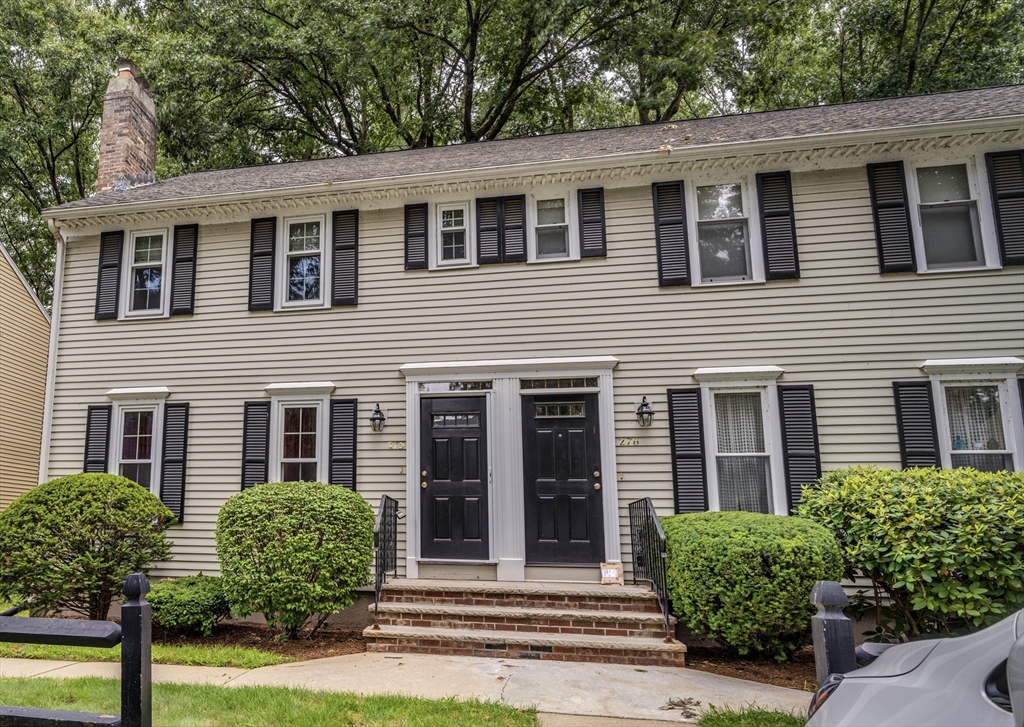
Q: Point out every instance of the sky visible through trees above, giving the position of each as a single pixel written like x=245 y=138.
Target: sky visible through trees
x=256 y=81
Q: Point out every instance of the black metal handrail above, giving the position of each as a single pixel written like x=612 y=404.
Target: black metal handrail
x=649 y=553
x=385 y=547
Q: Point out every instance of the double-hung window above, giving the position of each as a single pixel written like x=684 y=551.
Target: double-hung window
x=551 y=231
x=304 y=261
x=146 y=283
x=742 y=460
x=453 y=234
x=299 y=427
x=977 y=425
x=136 y=450
x=299 y=456
x=948 y=214
x=723 y=234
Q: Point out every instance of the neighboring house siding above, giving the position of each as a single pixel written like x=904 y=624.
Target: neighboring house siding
x=842 y=327
x=24 y=342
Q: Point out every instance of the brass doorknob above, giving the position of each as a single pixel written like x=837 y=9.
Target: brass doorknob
x=597 y=485
x=423 y=485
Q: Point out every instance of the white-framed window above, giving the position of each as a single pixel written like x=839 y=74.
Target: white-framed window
x=953 y=229
x=146 y=282
x=303 y=263
x=136 y=442
x=298 y=446
x=978 y=412
x=453 y=243
x=551 y=219
x=724 y=233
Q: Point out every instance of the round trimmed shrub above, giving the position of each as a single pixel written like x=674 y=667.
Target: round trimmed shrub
x=744 y=579
x=191 y=605
x=69 y=543
x=290 y=550
x=943 y=547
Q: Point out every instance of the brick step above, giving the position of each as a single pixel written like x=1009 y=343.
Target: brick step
x=635 y=624
x=584 y=596
x=518 y=645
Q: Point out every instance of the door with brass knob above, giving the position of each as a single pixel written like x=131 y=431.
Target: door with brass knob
x=453 y=478
x=564 y=510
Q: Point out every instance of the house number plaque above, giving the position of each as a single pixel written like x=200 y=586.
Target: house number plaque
x=628 y=441
x=396 y=445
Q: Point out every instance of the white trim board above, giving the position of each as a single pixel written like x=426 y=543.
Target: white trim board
x=997 y=365
x=140 y=392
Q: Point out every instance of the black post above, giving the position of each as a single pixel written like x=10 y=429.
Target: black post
x=136 y=648
x=834 y=652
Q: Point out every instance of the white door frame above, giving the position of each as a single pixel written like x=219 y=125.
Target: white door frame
x=505 y=449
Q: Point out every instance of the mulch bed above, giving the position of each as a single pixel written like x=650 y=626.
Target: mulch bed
x=797 y=673
x=326 y=642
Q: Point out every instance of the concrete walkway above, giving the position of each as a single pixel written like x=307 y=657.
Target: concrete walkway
x=565 y=694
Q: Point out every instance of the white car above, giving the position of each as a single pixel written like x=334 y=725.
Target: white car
x=966 y=681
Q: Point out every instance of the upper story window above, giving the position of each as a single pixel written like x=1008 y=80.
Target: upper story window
x=304 y=261
x=552 y=229
x=453 y=244
x=723 y=238
x=950 y=229
x=146 y=281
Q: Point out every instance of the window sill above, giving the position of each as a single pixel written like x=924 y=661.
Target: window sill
x=133 y=314
x=544 y=260
x=301 y=306
x=454 y=266
x=721 y=283
x=963 y=269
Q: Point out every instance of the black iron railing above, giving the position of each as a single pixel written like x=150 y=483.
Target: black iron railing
x=648 y=545
x=385 y=547
x=135 y=636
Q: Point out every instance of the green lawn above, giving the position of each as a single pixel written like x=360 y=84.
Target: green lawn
x=187 y=705
x=750 y=717
x=187 y=655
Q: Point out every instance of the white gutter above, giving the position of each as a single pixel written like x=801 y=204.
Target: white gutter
x=723 y=149
x=51 y=361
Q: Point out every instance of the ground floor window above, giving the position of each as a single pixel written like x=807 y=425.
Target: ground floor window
x=299 y=445
x=136 y=450
x=976 y=433
x=742 y=461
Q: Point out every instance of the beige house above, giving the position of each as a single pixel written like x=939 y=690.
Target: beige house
x=788 y=292
x=24 y=342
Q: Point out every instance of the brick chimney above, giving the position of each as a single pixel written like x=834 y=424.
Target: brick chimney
x=127 y=132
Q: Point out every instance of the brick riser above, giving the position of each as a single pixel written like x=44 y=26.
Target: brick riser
x=468 y=647
x=525 y=625
x=533 y=601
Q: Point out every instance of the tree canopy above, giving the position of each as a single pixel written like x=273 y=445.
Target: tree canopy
x=271 y=80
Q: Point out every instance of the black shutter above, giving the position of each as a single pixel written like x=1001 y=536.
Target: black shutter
x=108 y=280
x=173 y=461
x=1006 y=177
x=800 y=453
x=686 y=431
x=670 y=234
x=593 y=239
x=416 y=237
x=778 y=226
x=488 y=231
x=183 y=276
x=255 y=443
x=915 y=422
x=97 y=437
x=343 y=443
x=345 y=260
x=891 y=212
x=261 y=264
x=513 y=229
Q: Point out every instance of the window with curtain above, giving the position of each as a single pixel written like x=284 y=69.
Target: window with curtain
x=741 y=460
x=976 y=428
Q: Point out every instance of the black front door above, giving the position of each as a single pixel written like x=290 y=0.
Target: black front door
x=453 y=478
x=562 y=471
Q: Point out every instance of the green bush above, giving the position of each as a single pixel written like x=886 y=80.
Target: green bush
x=70 y=543
x=293 y=549
x=192 y=605
x=745 y=579
x=946 y=547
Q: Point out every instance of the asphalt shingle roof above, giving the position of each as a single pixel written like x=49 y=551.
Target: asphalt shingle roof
x=813 y=120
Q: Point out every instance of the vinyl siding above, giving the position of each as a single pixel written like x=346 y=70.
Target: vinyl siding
x=842 y=327
x=24 y=344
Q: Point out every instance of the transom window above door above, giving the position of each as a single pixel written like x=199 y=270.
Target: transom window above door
x=299 y=459
x=948 y=210
x=723 y=236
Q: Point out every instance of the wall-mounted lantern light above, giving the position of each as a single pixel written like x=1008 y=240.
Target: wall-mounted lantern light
x=644 y=413
x=377 y=420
